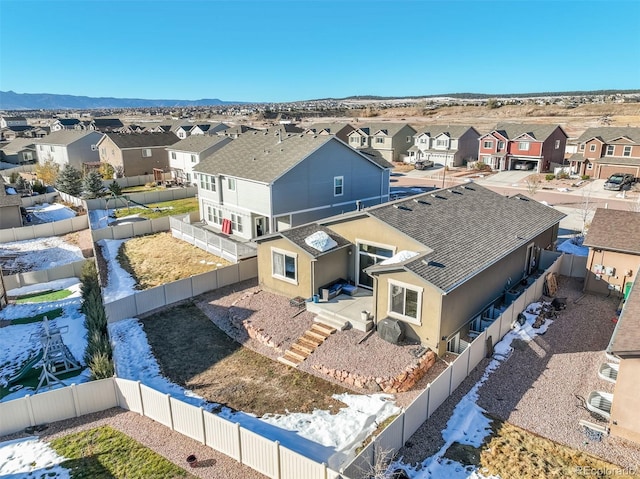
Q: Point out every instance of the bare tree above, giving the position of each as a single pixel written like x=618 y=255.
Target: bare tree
x=587 y=207
x=533 y=184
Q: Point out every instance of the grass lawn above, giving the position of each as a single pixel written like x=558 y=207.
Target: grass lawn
x=516 y=453
x=53 y=314
x=42 y=297
x=159 y=210
x=141 y=189
x=160 y=258
x=193 y=352
x=33 y=378
x=105 y=453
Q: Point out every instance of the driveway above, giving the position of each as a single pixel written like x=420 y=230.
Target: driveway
x=505 y=178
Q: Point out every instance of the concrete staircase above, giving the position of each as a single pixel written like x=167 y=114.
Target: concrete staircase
x=306 y=344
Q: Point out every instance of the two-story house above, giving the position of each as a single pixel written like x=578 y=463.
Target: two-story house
x=340 y=130
x=429 y=263
x=445 y=144
x=235 y=131
x=69 y=147
x=208 y=128
x=390 y=141
x=6 y=121
x=512 y=145
x=136 y=153
x=20 y=151
x=604 y=151
x=67 y=124
x=267 y=181
x=106 y=125
x=185 y=154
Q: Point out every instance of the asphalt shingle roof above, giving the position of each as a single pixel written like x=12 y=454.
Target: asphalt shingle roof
x=616 y=230
x=64 y=137
x=469 y=228
x=8 y=200
x=618 y=160
x=197 y=143
x=261 y=156
x=512 y=130
x=609 y=134
x=625 y=340
x=298 y=235
x=143 y=140
x=19 y=144
x=390 y=129
x=454 y=131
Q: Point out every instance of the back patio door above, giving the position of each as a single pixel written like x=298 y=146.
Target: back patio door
x=368 y=255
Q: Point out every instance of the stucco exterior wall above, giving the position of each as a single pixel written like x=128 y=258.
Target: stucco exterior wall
x=302 y=287
x=10 y=216
x=625 y=420
x=622 y=262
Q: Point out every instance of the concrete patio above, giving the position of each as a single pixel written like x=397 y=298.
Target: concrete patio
x=345 y=310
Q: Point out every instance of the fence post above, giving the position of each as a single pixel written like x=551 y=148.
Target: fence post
x=239 y=443
x=324 y=470
x=278 y=471
x=204 y=427
x=76 y=402
x=141 y=401
x=32 y=417
x=170 y=411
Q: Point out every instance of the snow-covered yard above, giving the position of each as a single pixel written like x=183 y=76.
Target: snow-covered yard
x=48 y=213
x=38 y=254
x=30 y=457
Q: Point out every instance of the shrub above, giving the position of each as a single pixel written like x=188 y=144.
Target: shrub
x=550 y=177
x=101 y=366
x=585 y=177
x=14 y=177
x=38 y=187
x=97 y=344
x=115 y=188
x=562 y=176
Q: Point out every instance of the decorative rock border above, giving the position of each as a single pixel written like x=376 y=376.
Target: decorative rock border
x=391 y=385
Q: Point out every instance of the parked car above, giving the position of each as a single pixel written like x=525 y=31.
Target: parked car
x=618 y=181
x=423 y=164
x=523 y=165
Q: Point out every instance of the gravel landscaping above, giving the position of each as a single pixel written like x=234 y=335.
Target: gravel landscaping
x=537 y=388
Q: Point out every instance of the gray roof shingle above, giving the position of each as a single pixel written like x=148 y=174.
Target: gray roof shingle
x=616 y=230
x=609 y=133
x=65 y=137
x=512 y=130
x=469 y=228
x=625 y=341
x=197 y=143
x=143 y=140
x=454 y=131
x=298 y=235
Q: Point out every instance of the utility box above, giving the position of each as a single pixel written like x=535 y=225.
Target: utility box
x=391 y=330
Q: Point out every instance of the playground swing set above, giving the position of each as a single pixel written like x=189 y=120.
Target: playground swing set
x=54 y=356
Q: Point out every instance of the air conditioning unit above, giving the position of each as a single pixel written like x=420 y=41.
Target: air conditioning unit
x=598 y=269
x=609 y=270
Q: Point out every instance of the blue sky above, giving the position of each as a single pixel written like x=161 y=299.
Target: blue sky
x=296 y=50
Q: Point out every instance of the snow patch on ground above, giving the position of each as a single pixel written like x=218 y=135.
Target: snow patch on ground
x=29 y=457
x=119 y=283
x=72 y=284
x=38 y=254
x=50 y=213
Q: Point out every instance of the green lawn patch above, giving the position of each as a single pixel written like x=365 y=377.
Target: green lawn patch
x=43 y=297
x=53 y=314
x=105 y=453
x=32 y=379
x=159 y=210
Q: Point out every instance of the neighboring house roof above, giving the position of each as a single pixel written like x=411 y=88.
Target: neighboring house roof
x=389 y=129
x=298 y=236
x=331 y=128
x=235 y=130
x=618 y=160
x=64 y=137
x=13 y=118
x=68 y=121
x=453 y=131
x=262 y=156
x=625 y=340
x=285 y=128
x=197 y=143
x=579 y=157
x=468 y=228
x=513 y=130
x=211 y=127
x=19 y=128
x=608 y=134
x=615 y=230
x=143 y=140
x=375 y=156
x=18 y=145
x=107 y=123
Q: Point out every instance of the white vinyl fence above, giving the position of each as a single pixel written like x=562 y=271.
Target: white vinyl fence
x=211 y=242
x=150 y=299
x=28 y=201
x=142 y=198
x=69 y=270
x=55 y=228
x=396 y=434
x=574 y=266
x=264 y=455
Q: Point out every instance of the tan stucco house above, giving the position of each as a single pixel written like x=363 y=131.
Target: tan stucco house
x=432 y=263
x=614 y=251
x=10 y=216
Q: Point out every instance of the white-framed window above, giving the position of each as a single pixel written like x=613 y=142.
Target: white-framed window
x=582 y=147
x=207 y=182
x=231 y=184
x=442 y=142
x=409 y=139
x=589 y=166
x=193 y=158
x=405 y=302
x=355 y=139
x=236 y=222
x=423 y=140
x=338 y=185
x=379 y=140
x=94 y=147
x=500 y=145
x=626 y=151
x=592 y=147
x=523 y=145
x=146 y=152
x=284 y=265
x=487 y=144
x=610 y=150
x=214 y=215
x=557 y=144
x=52 y=148
x=173 y=155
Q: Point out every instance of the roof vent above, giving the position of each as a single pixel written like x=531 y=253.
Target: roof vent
x=402 y=207
x=468 y=188
x=422 y=202
x=438 y=196
x=433 y=263
x=454 y=192
x=523 y=198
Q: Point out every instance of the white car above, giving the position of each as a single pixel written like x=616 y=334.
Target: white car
x=523 y=165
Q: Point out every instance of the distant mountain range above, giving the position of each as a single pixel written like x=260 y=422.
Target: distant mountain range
x=10 y=100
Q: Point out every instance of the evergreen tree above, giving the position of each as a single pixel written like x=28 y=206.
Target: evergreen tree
x=115 y=188
x=92 y=184
x=69 y=181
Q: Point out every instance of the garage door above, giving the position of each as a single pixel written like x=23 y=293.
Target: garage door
x=607 y=170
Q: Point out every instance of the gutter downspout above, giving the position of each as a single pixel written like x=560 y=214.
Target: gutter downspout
x=313 y=277
x=374 y=313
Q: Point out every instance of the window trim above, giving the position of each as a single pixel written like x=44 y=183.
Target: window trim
x=416 y=289
x=524 y=145
x=610 y=150
x=236 y=223
x=592 y=147
x=173 y=155
x=626 y=151
x=336 y=186
x=487 y=144
x=231 y=184
x=557 y=145
x=284 y=253
x=147 y=153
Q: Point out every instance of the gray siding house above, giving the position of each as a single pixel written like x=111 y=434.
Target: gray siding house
x=445 y=144
x=69 y=147
x=265 y=182
x=390 y=141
